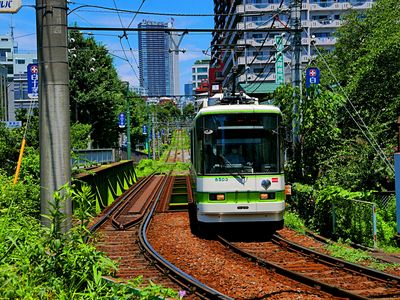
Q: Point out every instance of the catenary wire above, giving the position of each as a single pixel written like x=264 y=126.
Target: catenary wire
x=369 y=138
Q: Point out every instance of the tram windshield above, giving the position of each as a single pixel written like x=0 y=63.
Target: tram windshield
x=241 y=143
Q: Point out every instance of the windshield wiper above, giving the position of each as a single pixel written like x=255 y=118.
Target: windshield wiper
x=237 y=174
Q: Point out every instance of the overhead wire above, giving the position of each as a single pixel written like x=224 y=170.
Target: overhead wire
x=371 y=139
x=122 y=46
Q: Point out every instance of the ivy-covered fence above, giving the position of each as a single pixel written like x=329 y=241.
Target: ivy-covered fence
x=337 y=213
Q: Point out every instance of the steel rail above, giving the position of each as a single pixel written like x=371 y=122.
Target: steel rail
x=117 y=202
x=327 y=259
x=194 y=286
x=333 y=290
x=121 y=208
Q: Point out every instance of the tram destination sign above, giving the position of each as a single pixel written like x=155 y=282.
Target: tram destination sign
x=10 y=6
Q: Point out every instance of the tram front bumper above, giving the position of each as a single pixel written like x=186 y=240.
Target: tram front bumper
x=240 y=212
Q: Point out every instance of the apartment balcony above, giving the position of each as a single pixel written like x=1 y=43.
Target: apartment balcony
x=320 y=41
x=252 y=77
x=260 y=7
x=329 y=6
x=259 y=25
x=257 y=42
x=322 y=24
x=260 y=59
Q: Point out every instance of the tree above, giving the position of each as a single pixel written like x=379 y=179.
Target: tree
x=366 y=63
x=96 y=93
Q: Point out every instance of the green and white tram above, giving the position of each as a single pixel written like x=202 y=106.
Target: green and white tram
x=237 y=165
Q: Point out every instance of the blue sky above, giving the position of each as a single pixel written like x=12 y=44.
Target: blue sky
x=24 y=23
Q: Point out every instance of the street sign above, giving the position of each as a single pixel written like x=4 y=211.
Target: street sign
x=312 y=76
x=121 y=120
x=279 y=62
x=144 y=130
x=10 y=6
x=13 y=124
x=33 y=80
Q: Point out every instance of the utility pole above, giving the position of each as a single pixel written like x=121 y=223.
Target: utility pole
x=54 y=121
x=128 y=124
x=153 y=136
x=397 y=176
x=295 y=63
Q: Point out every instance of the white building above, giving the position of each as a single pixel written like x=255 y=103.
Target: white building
x=16 y=63
x=199 y=72
x=319 y=18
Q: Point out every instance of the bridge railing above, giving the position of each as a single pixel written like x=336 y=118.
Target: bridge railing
x=92 y=157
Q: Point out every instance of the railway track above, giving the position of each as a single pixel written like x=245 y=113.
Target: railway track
x=335 y=276
x=121 y=233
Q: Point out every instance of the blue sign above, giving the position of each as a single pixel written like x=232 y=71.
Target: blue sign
x=312 y=76
x=144 y=129
x=13 y=124
x=121 y=120
x=33 y=81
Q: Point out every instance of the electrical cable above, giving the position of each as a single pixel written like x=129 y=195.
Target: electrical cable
x=369 y=138
x=126 y=36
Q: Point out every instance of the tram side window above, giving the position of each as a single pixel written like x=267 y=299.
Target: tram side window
x=198 y=146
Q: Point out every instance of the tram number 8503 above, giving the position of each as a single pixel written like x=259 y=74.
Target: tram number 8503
x=221 y=179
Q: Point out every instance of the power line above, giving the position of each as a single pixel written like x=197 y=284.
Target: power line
x=197 y=30
x=81 y=5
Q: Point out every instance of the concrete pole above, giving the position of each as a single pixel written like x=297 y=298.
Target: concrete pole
x=295 y=63
x=128 y=124
x=397 y=187
x=54 y=122
x=397 y=176
x=153 y=136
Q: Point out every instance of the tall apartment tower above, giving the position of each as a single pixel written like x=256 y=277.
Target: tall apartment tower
x=254 y=53
x=158 y=60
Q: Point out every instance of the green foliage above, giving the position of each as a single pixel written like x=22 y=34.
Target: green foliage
x=148 y=166
x=348 y=253
x=80 y=135
x=9 y=148
x=95 y=100
x=293 y=221
x=316 y=207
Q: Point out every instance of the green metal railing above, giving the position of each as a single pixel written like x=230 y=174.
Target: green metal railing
x=108 y=182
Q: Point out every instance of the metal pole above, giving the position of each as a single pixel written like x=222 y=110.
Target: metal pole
x=374 y=236
x=128 y=124
x=397 y=187
x=295 y=64
x=54 y=119
x=153 y=137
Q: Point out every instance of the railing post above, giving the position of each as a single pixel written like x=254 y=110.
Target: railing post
x=374 y=225
x=397 y=185
x=333 y=219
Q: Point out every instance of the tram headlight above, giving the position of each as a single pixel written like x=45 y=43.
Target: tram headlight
x=267 y=196
x=219 y=197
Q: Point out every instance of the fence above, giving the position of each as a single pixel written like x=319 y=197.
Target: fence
x=355 y=218
x=92 y=157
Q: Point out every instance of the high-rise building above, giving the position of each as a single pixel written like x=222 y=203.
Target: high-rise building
x=158 y=60
x=189 y=89
x=254 y=53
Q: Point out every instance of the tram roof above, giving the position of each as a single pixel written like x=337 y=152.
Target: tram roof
x=238 y=108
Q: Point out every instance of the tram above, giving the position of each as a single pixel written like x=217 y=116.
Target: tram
x=237 y=164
